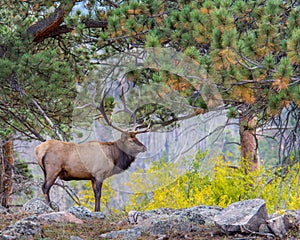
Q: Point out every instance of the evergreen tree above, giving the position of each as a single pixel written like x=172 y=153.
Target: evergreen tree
x=249 y=49
x=37 y=88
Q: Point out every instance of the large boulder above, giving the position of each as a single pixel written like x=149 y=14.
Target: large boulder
x=83 y=212
x=243 y=216
x=129 y=234
x=203 y=215
x=80 y=212
x=159 y=222
x=36 y=206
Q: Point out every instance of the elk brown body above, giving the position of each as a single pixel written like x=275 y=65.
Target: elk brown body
x=93 y=161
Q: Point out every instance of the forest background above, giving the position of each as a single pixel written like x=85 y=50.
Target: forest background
x=247 y=59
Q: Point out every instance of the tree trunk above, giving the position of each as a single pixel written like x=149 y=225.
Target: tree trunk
x=249 y=144
x=6 y=173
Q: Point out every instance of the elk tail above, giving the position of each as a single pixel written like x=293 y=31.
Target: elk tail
x=40 y=156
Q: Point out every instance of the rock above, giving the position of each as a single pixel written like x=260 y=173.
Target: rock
x=130 y=234
x=280 y=225
x=36 y=206
x=80 y=212
x=199 y=214
x=23 y=229
x=264 y=229
x=294 y=217
x=203 y=215
x=63 y=217
x=148 y=217
x=243 y=216
x=162 y=227
x=99 y=215
x=160 y=222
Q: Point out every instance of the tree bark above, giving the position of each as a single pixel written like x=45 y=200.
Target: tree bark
x=249 y=144
x=51 y=26
x=6 y=173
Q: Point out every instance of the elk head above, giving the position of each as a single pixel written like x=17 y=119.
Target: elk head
x=129 y=144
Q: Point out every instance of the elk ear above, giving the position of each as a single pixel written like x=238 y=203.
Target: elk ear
x=124 y=136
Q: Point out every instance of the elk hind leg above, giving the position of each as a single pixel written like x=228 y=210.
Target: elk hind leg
x=50 y=177
x=48 y=183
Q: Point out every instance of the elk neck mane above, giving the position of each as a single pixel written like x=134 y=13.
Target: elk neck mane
x=124 y=161
x=121 y=159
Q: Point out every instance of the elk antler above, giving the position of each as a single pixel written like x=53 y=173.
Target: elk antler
x=143 y=130
x=133 y=113
x=102 y=111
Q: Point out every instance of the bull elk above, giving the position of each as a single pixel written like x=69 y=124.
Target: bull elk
x=93 y=160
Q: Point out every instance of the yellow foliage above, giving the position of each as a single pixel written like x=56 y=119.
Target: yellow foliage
x=166 y=186
x=224 y=185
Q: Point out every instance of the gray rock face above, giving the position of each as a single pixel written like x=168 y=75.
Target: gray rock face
x=37 y=206
x=244 y=216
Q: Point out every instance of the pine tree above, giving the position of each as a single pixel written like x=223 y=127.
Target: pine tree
x=249 y=49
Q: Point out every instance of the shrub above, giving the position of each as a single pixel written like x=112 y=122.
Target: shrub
x=224 y=185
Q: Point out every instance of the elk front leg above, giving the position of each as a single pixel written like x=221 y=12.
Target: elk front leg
x=97 y=187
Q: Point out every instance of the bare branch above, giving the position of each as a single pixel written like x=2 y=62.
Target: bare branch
x=47 y=119
x=69 y=191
